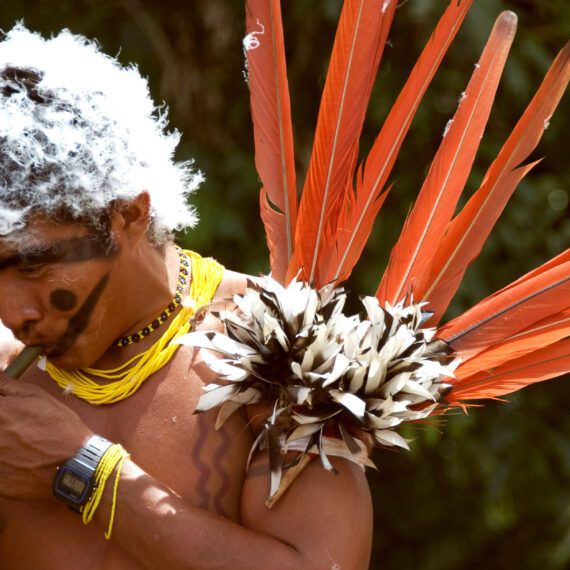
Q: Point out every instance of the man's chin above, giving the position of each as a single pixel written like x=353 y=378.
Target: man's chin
x=67 y=360
x=78 y=356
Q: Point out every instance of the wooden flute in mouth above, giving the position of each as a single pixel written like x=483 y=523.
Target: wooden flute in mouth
x=21 y=363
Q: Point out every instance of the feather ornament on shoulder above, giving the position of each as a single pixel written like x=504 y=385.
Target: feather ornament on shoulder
x=335 y=384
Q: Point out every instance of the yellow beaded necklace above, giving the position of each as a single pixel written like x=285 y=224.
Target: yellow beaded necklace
x=206 y=276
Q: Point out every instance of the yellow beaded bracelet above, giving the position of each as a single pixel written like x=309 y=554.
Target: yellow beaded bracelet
x=114 y=457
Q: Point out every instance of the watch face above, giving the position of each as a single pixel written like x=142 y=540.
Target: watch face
x=72 y=484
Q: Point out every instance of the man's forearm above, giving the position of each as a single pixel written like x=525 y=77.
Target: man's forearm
x=159 y=529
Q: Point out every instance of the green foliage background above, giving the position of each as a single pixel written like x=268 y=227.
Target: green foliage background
x=486 y=490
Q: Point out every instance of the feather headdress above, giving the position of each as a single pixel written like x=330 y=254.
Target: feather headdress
x=330 y=378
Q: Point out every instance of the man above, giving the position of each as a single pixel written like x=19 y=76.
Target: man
x=89 y=198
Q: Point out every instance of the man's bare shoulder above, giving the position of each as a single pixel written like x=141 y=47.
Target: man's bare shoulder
x=232 y=283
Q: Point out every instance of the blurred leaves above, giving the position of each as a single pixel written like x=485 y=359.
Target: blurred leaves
x=488 y=489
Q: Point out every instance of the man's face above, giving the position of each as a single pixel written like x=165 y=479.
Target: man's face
x=58 y=288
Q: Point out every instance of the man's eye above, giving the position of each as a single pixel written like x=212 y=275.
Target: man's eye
x=32 y=269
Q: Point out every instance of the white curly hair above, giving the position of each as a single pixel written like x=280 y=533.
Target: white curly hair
x=78 y=133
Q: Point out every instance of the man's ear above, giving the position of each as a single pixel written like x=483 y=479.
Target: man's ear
x=131 y=218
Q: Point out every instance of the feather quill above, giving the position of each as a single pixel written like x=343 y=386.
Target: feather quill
x=361 y=35
x=468 y=231
x=437 y=200
x=273 y=132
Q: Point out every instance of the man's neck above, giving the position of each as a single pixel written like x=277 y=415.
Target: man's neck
x=152 y=287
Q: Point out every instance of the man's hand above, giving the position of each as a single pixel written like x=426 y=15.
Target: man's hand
x=37 y=433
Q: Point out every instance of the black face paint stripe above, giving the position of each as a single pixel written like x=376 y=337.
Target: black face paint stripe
x=63 y=299
x=72 y=250
x=80 y=320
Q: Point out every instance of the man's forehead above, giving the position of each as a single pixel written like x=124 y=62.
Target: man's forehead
x=53 y=249
x=19 y=243
x=39 y=230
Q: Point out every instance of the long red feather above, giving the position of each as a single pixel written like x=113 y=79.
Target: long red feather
x=469 y=229
x=356 y=217
x=539 y=335
x=271 y=114
x=515 y=374
x=533 y=297
x=437 y=200
x=359 y=42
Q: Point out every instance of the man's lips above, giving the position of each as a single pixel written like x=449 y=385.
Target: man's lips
x=46 y=344
x=55 y=348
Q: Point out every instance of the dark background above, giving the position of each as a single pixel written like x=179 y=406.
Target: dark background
x=486 y=490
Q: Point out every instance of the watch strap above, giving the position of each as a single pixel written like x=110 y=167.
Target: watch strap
x=83 y=466
x=90 y=454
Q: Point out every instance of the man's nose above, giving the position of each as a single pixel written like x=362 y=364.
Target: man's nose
x=19 y=308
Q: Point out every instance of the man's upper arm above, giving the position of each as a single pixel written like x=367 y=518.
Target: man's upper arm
x=327 y=518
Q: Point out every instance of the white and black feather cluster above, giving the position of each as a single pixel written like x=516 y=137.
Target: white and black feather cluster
x=321 y=372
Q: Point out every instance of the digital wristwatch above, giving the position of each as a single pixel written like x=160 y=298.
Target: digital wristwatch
x=74 y=480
